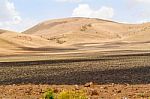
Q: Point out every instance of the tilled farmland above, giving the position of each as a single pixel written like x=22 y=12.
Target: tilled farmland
x=131 y=72
x=132 y=69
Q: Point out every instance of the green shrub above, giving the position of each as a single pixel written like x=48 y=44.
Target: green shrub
x=48 y=95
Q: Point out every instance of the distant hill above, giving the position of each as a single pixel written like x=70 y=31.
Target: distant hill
x=79 y=33
x=13 y=42
x=86 y=30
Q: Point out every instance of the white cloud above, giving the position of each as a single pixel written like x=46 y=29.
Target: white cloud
x=141 y=9
x=134 y=3
x=69 y=0
x=10 y=18
x=84 y=10
x=142 y=1
x=8 y=13
x=21 y=26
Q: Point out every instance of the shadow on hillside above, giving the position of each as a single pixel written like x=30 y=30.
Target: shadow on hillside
x=131 y=76
x=47 y=49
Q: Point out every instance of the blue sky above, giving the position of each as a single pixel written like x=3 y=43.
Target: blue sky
x=19 y=15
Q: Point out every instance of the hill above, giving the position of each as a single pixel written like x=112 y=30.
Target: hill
x=86 y=30
x=14 y=43
x=76 y=35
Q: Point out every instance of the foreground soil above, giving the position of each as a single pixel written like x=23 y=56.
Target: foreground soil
x=111 y=91
x=114 y=76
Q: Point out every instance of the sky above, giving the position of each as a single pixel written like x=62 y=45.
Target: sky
x=19 y=15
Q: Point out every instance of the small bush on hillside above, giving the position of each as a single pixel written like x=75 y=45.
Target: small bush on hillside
x=89 y=25
x=60 y=41
x=83 y=28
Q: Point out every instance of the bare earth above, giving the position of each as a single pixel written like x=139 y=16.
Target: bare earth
x=111 y=91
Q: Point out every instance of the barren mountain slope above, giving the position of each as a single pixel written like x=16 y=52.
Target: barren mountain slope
x=77 y=34
x=141 y=33
x=13 y=42
x=86 y=30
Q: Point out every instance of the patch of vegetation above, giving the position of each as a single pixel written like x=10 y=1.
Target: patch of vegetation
x=49 y=95
x=53 y=38
x=57 y=39
x=64 y=95
x=72 y=95
x=85 y=27
x=60 y=41
x=89 y=25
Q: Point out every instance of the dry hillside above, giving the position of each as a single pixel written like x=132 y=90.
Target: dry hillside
x=86 y=30
x=83 y=34
x=15 y=43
